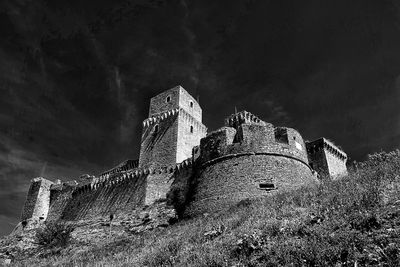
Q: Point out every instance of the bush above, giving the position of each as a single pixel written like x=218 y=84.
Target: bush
x=54 y=235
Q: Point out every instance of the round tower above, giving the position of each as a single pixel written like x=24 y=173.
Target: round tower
x=247 y=158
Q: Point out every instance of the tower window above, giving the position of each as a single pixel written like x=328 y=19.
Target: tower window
x=191 y=129
x=168 y=99
x=281 y=135
x=191 y=104
x=156 y=128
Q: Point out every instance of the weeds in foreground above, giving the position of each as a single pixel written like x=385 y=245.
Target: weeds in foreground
x=54 y=235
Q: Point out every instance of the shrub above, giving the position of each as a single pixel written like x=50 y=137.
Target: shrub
x=54 y=235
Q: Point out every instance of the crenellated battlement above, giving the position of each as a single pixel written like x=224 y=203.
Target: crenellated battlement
x=236 y=119
x=252 y=137
x=129 y=175
x=124 y=166
x=323 y=143
x=160 y=117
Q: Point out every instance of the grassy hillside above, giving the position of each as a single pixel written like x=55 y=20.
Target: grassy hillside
x=351 y=222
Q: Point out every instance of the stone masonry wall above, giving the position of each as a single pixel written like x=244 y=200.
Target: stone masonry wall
x=60 y=198
x=318 y=162
x=251 y=138
x=158 y=147
x=190 y=131
x=229 y=180
x=103 y=199
x=38 y=199
x=157 y=187
x=159 y=104
x=234 y=164
x=189 y=104
x=326 y=158
x=337 y=166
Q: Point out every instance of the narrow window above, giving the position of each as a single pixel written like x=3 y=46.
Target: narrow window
x=281 y=135
x=156 y=128
x=191 y=129
x=168 y=99
x=191 y=104
x=267 y=186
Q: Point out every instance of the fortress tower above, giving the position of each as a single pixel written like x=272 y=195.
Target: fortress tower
x=172 y=129
x=326 y=158
x=38 y=200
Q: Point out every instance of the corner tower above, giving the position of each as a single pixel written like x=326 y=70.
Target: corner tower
x=326 y=158
x=173 y=128
x=38 y=200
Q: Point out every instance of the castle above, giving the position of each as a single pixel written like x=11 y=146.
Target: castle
x=181 y=163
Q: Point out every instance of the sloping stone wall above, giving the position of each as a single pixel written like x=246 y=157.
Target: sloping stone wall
x=104 y=199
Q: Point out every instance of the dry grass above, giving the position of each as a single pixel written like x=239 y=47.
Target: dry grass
x=337 y=223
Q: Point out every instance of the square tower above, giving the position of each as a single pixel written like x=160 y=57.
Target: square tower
x=326 y=158
x=38 y=200
x=173 y=128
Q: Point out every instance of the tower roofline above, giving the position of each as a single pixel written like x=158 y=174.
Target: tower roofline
x=175 y=89
x=322 y=141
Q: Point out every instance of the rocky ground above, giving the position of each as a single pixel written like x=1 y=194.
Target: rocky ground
x=22 y=245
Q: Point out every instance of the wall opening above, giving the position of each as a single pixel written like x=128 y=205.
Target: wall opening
x=156 y=128
x=168 y=99
x=191 y=104
x=281 y=135
x=191 y=128
x=266 y=186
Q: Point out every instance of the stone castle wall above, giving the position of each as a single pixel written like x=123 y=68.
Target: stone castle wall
x=117 y=194
x=238 y=177
x=159 y=140
x=102 y=198
x=249 y=161
x=190 y=131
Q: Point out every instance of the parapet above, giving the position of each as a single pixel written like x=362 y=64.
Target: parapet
x=123 y=166
x=323 y=143
x=251 y=136
x=236 y=119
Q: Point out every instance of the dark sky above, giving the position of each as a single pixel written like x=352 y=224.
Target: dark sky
x=76 y=76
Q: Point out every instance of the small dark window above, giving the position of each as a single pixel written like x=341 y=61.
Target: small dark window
x=168 y=99
x=294 y=137
x=156 y=129
x=191 y=104
x=281 y=135
x=267 y=186
x=191 y=129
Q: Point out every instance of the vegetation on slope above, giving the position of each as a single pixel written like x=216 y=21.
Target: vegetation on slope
x=349 y=222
